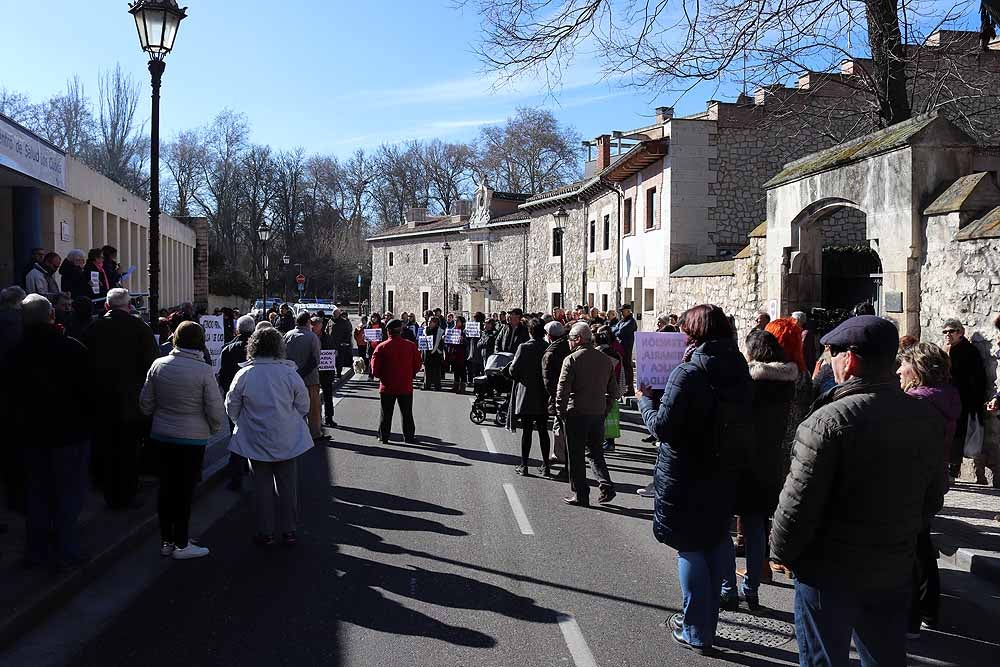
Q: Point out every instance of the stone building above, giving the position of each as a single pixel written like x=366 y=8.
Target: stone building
x=53 y=201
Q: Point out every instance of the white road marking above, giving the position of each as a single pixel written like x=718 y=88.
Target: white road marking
x=575 y=642
x=337 y=400
x=489 y=441
x=515 y=506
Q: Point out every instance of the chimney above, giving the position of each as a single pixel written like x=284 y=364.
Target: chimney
x=663 y=114
x=603 y=151
x=415 y=216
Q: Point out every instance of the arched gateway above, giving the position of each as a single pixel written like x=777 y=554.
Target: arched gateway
x=863 y=203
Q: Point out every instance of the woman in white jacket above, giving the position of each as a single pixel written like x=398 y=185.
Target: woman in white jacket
x=268 y=402
x=182 y=395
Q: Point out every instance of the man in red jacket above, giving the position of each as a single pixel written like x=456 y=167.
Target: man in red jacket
x=396 y=362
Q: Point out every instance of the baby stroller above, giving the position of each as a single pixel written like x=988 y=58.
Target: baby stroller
x=492 y=390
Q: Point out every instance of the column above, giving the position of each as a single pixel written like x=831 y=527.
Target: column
x=82 y=231
x=27 y=206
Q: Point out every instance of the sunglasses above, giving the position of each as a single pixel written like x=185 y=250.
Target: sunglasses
x=836 y=349
x=947 y=332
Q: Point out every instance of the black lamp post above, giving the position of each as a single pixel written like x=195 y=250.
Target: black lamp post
x=264 y=234
x=359 y=289
x=560 y=217
x=446 y=250
x=157 y=22
x=285 y=259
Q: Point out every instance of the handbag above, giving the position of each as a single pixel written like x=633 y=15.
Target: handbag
x=973 y=438
x=612 y=423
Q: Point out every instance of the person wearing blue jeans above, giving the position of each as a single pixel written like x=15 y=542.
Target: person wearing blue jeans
x=700 y=574
x=755 y=539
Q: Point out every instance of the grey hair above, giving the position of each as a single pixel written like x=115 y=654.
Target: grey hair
x=118 y=298
x=953 y=323
x=76 y=254
x=582 y=331
x=930 y=363
x=800 y=317
x=35 y=309
x=263 y=324
x=267 y=342
x=11 y=298
x=663 y=318
x=245 y=324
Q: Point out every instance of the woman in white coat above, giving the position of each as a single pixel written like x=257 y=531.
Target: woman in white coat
x=268 y=402
x=182 y=395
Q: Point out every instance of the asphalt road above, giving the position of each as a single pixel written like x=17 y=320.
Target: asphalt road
x=437 y=554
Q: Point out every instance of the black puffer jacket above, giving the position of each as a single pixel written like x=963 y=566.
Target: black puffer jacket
x=773 y=390
x=702 y=421
x=866 y=474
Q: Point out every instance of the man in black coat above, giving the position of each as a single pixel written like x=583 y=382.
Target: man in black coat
x=234 y=354
x=552 y=360
x=513 y=333
x=52 y=380
x=968 y=374
x=121 y=349
x=342 y=334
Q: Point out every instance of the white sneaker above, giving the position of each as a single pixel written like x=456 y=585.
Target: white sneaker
x=190 y=551
x=166 y=548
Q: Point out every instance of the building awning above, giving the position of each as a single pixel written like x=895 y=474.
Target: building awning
x=637 y=159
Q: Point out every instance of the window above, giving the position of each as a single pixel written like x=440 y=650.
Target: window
x=593 y=235
x=648 y=300
x=455 y=304
x=425 y=298
x=628 y=295
x=652 y=205
x=607 y=233
x=556 y=300
x=389 y=301
x=390 y=259
x=590 y=299
x=556 y=241
x=425 y=257
x=627 y=217
x=604 y=302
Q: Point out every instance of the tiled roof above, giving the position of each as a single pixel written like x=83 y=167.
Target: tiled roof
x=986 y=227
x=563 y=190
x=973 y=192
x=509 y=196
x=760 y=231
x=706 y=270
x=511 y=217
x=439 y=224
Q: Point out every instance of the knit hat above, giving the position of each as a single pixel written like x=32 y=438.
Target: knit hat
x=789 y=335
x=555 y=329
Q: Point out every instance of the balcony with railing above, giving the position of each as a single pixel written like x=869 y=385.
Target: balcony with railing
x=471 y=273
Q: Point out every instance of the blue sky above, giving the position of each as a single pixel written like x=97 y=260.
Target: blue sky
x=327 y=76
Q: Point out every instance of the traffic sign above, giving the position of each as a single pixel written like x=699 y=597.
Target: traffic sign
x=300 y=279
x=302 y=287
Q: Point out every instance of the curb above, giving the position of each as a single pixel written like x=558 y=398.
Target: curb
x=977 y=562
x=61 y=589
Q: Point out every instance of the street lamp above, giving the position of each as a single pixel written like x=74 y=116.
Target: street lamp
x=359 y=289
x=561 y=217
x=157 y=22
x=264 y=234
x=285 y=259
x=446 y=250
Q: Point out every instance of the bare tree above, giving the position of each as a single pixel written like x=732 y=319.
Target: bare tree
x=290 y=184
x=402 y=182
x=65 y=120
x=185 y=158
x=530 y=153
x=14 y=105
x=448 y=169
x=120 y=150
x=219 y=199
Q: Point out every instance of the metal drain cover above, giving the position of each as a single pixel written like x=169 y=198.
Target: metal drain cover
x=759 y=630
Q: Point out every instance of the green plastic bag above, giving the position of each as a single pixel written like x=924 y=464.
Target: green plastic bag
x=612 y=423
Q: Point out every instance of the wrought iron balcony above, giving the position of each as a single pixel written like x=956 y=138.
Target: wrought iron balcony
x=470 y=273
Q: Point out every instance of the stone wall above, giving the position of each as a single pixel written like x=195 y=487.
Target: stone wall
x=506 y=256
x=845 y=226
x=543 y=268
x=408 y=278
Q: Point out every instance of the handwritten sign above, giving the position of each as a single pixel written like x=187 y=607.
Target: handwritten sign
x=327 y=360
x=373 y=335
x=215 y=338
x=95 y=282
x=656 y=354
x=453 y=336
x=425 y=343
x=472 y=330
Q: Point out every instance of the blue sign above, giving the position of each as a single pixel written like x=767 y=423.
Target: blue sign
x=302 y=288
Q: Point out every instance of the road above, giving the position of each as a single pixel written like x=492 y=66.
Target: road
x=438 y=554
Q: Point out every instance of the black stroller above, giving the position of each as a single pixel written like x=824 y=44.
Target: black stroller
x=492 y=390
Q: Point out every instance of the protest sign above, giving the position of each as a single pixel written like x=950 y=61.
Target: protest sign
x=327 y=360
x=215 y=338
x=656 y=354
x=453 y=336
x=373 y=335
x=420 y=332
x=472 y=329
x=424 y=343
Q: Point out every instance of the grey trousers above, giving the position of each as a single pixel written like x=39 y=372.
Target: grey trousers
x=559 y=440
x=276 y=483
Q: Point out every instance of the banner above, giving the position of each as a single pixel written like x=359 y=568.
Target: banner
x=215 y=338
x=327 y=360
x=373 y=335
x=424 y=343
x=472 y=329
x=453 y=336
x=656 y=354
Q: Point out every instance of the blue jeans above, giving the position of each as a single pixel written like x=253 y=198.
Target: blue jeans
x=826 y=619
x=755 y=541
x=701 y=574
x=56 y=485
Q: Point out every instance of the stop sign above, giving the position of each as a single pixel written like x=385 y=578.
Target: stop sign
x=300 y=279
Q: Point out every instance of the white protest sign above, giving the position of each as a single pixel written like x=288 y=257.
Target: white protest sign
x=424 y=343
x=95 y=282
x=453 y=336
x=327 y=360
x=656 y=354
x=373 y=335
x=472 y=329
x=215 y=338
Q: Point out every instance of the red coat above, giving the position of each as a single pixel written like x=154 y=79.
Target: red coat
x=395 y=362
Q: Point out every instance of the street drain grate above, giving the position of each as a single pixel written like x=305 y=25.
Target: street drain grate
x=758 y=630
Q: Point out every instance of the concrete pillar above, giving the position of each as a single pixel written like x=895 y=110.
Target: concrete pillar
x=27 y=207
x=82 y=231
